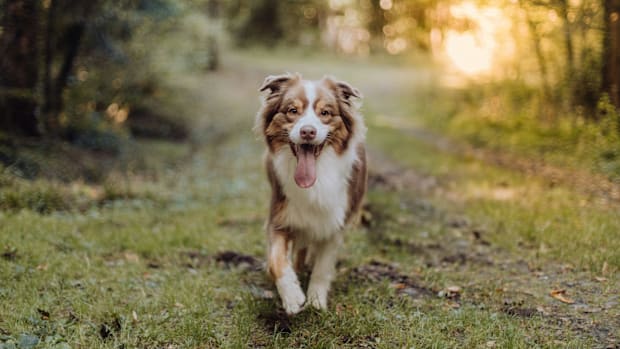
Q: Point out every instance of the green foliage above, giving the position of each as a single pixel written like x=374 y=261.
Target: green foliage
x=515 y=117
x=41 y=197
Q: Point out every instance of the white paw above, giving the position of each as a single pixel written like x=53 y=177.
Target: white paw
x=317 y=297
x=293 y=300
x=292 y=296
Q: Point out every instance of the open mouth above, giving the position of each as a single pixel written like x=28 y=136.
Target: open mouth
x=306 y=154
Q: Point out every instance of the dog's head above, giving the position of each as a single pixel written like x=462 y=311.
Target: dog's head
x=305 y=117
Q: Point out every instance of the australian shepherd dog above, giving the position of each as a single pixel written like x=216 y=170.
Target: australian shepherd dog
x=316 y=165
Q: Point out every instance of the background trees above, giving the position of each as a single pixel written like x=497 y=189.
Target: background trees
x=67 y=62
x=74 y=68
x=19 y=66
x=611 y=49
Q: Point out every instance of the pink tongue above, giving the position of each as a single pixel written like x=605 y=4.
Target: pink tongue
x=305 y=173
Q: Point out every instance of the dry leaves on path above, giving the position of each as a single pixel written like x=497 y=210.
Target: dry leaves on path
x=561 y=296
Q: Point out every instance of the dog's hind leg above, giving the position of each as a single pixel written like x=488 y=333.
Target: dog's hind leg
x=281 y=270
x=323 y=271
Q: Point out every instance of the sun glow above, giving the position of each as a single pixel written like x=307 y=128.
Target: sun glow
x=473 y=48
x=469 y=55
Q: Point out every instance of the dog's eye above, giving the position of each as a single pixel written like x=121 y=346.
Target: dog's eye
x=325 y=112
x=293 y=110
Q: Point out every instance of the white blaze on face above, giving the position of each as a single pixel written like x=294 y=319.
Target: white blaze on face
x=308 y=151
x=309 y=118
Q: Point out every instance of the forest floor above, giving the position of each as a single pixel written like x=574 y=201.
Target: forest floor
x=458 y=249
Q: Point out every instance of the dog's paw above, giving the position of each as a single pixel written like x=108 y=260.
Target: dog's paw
x=317 y=298
x=293 y=300
x=290 y=292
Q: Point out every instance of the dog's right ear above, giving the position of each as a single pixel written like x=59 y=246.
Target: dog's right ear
x=275 y=83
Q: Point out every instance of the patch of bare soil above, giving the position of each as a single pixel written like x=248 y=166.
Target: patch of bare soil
x=195 y=259
x=232 y=258
x=377 y=271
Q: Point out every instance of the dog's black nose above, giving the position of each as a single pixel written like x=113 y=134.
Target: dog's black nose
x=307 y=133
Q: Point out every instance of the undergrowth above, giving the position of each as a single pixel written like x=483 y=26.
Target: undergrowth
x=515 y=117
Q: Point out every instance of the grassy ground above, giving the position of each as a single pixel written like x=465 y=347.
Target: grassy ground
x=456 y=252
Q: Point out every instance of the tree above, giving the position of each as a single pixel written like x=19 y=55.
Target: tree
x=611 y=50
x=65 y=32
x=19 y=66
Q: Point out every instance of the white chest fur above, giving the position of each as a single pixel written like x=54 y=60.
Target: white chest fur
x=319 y=211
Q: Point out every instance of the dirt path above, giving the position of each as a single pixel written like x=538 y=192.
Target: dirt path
x=488 y=276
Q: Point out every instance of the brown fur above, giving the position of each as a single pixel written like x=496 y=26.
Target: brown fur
x=278 y=253
x=278 y=199
x=357 y=186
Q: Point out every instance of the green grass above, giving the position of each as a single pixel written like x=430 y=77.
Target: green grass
x=132 y=262
x=514 y=209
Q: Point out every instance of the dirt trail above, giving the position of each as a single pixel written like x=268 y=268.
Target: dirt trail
x=492 y=277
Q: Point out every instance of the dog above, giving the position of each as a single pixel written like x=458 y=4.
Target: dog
x=316 y=166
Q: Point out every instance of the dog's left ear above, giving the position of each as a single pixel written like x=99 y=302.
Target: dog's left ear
x=344 y=91
x=347 y=90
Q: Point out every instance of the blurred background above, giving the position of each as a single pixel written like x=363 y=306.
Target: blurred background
x=85 y=80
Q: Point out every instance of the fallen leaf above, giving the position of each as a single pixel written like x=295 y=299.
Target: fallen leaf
x=179 y=305
x=132 y=257
x=454 y=289
x=398 y=286
x=42 y=267
x=600 y=279
x=450 y=292
x=561 y=296
x=134 y=315
x=605 y=268
x=453 y=292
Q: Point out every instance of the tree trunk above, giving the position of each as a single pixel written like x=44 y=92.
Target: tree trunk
x=213 y=52
x=73 y=36
x=19 y=66
x=48 y=84
x=611 y=53
x=540 y=58
x=568 y=38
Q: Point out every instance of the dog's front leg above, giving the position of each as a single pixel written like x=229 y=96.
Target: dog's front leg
x=323 y=272
x=282 y=272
